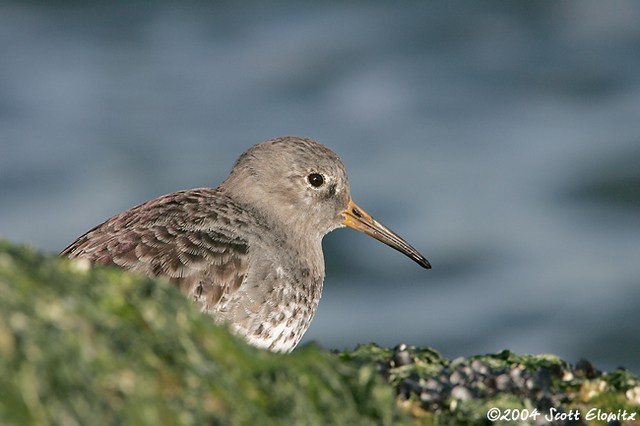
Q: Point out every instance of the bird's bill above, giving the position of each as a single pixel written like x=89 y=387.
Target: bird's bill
x=356 y=218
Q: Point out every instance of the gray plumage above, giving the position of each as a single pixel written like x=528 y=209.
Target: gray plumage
x=249 y=252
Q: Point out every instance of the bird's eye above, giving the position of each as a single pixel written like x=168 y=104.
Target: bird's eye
x=315 y=179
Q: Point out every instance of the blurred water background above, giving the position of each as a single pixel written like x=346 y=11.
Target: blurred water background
x=502 y=139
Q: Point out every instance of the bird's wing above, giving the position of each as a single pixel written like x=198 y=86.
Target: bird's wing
x=175 y=236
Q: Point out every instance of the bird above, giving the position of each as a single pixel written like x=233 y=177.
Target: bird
x=248 y=252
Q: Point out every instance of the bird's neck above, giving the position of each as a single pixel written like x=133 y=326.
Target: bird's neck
x=303 y=251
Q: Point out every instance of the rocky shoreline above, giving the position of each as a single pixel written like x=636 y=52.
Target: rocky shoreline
x=503 y=387
x=89 y=345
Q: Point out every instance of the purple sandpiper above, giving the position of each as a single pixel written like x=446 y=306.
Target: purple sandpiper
x=249 y=251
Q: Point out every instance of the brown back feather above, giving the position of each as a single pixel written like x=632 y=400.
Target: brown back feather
x=173 y=237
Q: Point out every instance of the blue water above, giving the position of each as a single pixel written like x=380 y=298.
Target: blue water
x=502 y=139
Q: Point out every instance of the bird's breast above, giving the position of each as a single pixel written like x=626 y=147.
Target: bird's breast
x=273 y=309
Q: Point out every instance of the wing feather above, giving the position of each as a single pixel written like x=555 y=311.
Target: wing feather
x=179 y=236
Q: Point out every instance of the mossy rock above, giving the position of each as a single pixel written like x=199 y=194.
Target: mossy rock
x=506 y=387
x=84 y=345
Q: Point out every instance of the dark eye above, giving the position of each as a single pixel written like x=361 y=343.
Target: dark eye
x=315 y=179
